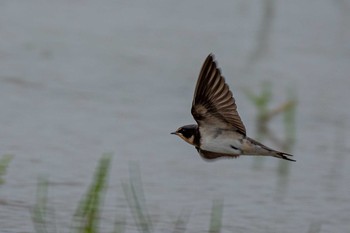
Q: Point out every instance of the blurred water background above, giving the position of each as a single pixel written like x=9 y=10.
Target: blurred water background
x=81 y=78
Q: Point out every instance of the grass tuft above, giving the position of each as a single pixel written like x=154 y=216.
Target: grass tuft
x=265 y=115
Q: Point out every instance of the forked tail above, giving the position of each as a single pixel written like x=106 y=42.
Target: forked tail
x=283 y=155
x=261 y=149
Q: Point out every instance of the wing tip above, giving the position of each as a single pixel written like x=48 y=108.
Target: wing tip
x=211 y=57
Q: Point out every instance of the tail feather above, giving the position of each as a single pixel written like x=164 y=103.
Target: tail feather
x=268 y=151
x=283 y=155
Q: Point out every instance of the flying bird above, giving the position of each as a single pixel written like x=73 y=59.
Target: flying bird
x=219 y=132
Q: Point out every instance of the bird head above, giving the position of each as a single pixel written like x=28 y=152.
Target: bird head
x=187 y=133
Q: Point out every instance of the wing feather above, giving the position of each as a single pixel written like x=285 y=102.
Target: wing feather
x=213 y=103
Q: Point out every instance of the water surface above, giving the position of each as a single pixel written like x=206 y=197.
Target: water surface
x=80 y=78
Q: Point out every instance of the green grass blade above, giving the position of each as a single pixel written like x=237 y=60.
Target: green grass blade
x=182 y=221
x=88 y=212
x=136 y=200
x=39 y=211
x=289 y=120
x=216 y=216
x=4 y=162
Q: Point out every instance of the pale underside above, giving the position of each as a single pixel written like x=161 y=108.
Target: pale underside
x=229 y=142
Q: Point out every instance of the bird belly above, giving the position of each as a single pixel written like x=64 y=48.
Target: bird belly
x=221 y=144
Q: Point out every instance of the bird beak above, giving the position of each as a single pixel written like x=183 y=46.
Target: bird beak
x=173 y=133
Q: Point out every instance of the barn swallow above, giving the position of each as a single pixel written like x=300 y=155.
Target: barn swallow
x=219 y=132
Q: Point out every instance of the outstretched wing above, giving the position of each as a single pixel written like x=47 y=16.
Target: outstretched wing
x=213 y=103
